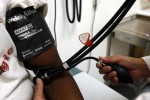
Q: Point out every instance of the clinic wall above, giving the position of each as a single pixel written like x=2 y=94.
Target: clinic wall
x=104 y=12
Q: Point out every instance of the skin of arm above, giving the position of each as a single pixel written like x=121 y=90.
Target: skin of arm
x=61 y=87
x=136 y=66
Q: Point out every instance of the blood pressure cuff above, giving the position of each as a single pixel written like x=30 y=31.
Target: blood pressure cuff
x=29 y=32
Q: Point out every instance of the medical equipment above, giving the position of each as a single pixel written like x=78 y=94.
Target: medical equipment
x=48 y=72
x=75 y=7
x=29 y=32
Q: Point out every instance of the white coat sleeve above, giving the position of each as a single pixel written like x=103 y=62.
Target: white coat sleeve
x=27 y=3
x=144 y=96
x=147 y=60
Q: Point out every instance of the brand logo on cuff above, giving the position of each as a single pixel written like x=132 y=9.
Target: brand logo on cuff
x=21 y=16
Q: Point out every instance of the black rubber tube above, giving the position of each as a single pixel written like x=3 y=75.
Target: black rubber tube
x=100 y=32
x=117 y=21
x=73 y=17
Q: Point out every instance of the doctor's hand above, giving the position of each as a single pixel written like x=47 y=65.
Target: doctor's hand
x=136 y=67
x=38 y=95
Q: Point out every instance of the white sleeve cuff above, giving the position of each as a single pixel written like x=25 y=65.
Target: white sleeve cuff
x=147 y=60
x=27 y=3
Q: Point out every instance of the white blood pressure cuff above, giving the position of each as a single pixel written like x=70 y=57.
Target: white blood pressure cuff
x=29 y=31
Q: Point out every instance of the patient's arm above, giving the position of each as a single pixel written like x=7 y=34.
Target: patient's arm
x=63 y=86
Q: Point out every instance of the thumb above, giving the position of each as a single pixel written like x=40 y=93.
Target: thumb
x=39 y=88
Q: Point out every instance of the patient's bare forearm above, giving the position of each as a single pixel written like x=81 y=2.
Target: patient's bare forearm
x=61 y=87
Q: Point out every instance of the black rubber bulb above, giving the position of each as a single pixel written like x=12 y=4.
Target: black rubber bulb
x=122 y=73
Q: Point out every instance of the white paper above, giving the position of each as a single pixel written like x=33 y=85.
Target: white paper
x=93 y=89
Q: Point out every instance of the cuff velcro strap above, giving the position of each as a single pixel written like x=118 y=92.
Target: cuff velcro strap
x=46 y=73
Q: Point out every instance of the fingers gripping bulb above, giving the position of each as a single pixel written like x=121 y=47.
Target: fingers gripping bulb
x=122 y=72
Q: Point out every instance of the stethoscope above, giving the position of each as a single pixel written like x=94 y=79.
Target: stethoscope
x=47 y=73
x=77 y=9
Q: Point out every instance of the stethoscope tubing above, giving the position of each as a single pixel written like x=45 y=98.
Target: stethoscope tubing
x=99 y=33
x=97 y=39
x=107 y=29
x=76 y=8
